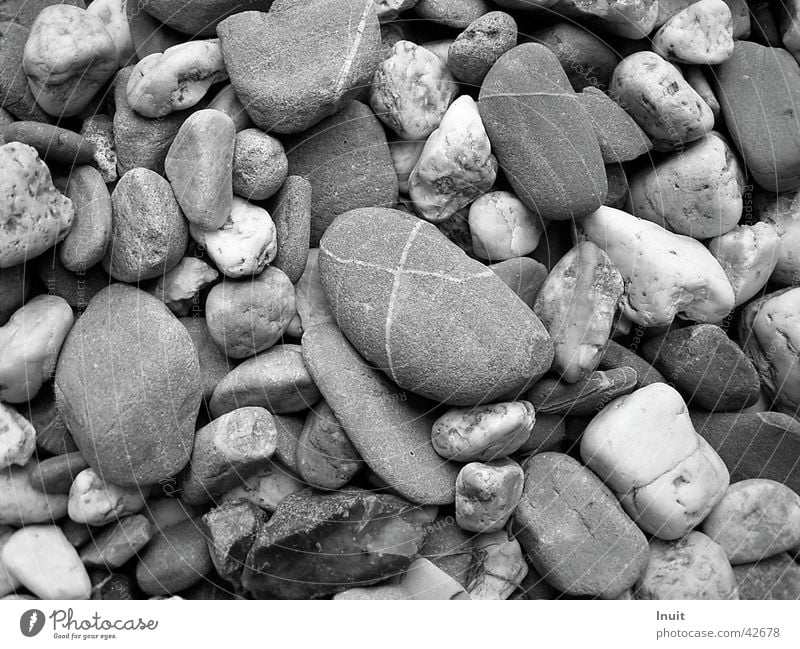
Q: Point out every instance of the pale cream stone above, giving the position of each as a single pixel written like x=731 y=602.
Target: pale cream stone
x=404 y=156
x=501 y=567
x=503 y=227
x=94 y=502
x=114 y=16
x=486 y=494
x=22 y=504
x=180 y=287
x=17 y=438
x=701 y=33
x=8 y=583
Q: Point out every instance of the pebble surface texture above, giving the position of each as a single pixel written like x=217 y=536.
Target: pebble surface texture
x=469 y=355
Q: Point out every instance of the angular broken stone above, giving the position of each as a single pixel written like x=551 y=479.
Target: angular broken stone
x=230 y=530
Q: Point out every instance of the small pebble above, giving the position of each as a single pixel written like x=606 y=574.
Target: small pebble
x=86 y=242
x=98 y=130
x=486 y=494
x=478 y=47
x=501 y=569
x=325 y=458
x=291 y=212
x=94 y=501
x=17 y=438
x=551 y=396
x=116 y=545
x=259 y=165
x=54 y=144
x=55 y=475
x=267 y=488
x=231 y=530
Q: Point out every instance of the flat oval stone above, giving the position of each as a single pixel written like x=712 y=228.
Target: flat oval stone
x=120 y=542
x=574 y=530
x=291 y=213
x=53 y=143
x=707 y=366
x=56 y=474
x=378 y=268
x=551 y=396
x=86 y=242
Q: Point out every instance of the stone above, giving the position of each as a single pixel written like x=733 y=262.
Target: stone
x=143 y=392
x=478 y=47
x=214 y=365
x=199 y=167
x=22 y=504
x=693 y=568
x=260 y=166
x=547 y=434
x=325 y=457
x=166 y=512
x=245 y=243
x=558 y=172
x=198 y=17
x=655 y=93
x=15 y=94
x=29 y=346
x=116 y=545
x=289 y=428
x=502 y=227
x=665 y=274
x=176 y=558
x=484 y=433
x=148 y=34
x=487 y=493
x=180 y=287
x=576 y=304
x=702 y=33
x=112 y=587
x=389 y=10
x=696 y=191
x=645 y=448
x=452 y=13
x=53 y=143
x=288 y=82
x=748 y=254
x=276 y=380
x=574 y=530
x=346 y=160
x=397 y=255
x=450 y=549
x=632 y=20
x=615 y=355
x=86 y=242
x=319 y=544
x=55 y=475
x=756 y=71
x=754 y=445
x=77 y=289
x=619 y=136
x=501 y=568
x=774 y=578
x=291 y=213
x=425 y=582
x=148 y=228
x=585 y=397
x=52 y=435
x=696 y=78
x=8 y=584
x=230 y=531
x=391 y=434
x=708 y=367
x=267 y=488
x=379 y=592
x=227 y=451
x=114 y=16
x=523 y=275
x=781 y=212
x=34 y=215
x=98 y=130
x=68 y=57
x=249 y=316
x=755 y=520
x=404 y=157
x=17 y=438
x=411 y=91
x=94 y=501
x=15 y=286
x=44 y=562
x=227 y=101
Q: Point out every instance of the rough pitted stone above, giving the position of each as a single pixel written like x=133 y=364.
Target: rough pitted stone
x=478 y=47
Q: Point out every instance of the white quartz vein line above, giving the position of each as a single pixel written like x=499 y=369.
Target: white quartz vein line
x=351 y=53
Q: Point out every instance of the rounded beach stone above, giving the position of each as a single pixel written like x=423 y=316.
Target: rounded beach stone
x=45 y=563
x=620 y=137
x=487 y=493
x=702 y=33
x=133 y=417
x=347 y=161
x=53 y=143
x=398 y=261
x=86 y=242
x=547 y=434
x=523 y=275
x=176 y=558
x=259 y=165
x=502 y=227
x=199 y=167
x=291 y=213
x=267 y=488
x=93 y=501
x=633 y=20
x=574 y=530
x=707 y=366
x=148 y=231
x=76 y=288
x=197 y=17
x=478 y=47
x=214 y=365
x=693 y=567
x=558 y=172
x=120 y=542
x=22 y=504
x=276 y=379
x=774 y=578
x=15 y=93
x=289 y=428
x=756 y=519
x=288 y=82
x=390 y=433
x=55 y=475
x=248 y=316
x=452 y=13
x=230 y=530
x=765 y=134
x=615 y=355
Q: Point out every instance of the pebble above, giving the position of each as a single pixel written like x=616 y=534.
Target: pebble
x=54 y=144
x=119 y=543
x=177 y=557
x=227 y=102
x=484 y=433
x=214 y=365
x=17 y=438
x=346 y=160
x=632 y=20
x=707 y=366
x=94 y=501
x=78 y=288
x=547 y=434
x=288 y=82
x=697 y=79
x=15 y=93
x=645 y=448
x=320 y=544
x=568 y=519
x=86 y=242
x=755 y=520
x=425 y=582
x=404 y=157
x=55 y=475
x=113 y=14
x=227 y=450
x=325 y=457
x=166 y=512
x=201 y=17
x=523 y=275
x=112 y=587
x=487 y=493
x=693 y=567
x=179 y=288
x=774 y=578
x=702 y=33
x=450 y=549
x=478 y=47
x=198 y=166
x=399 y=255
x=576 y=304
x=586 y=396
x=291 y=213
x=289 y=428
x=52 y=435
x=541 y=135
x=619 y=136
x=34 y=215
x=44 y=562
x=22 y=504
x=267 y=488
x=780 y=211
x=246 y=317
x=149 y=35
x=614 y=355
x=29 y=346
x=148 y=229
x=231 y=530
x=502 y=227
x=501 y=569
x=260 y=165
x=276 y=380
x=143 y=393
x=452 y=13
